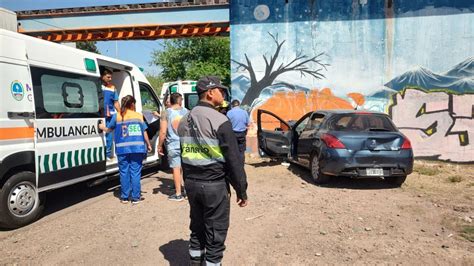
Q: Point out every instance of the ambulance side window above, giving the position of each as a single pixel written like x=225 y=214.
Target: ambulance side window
x=191 y=100
x=149 y=101
x=61 y=94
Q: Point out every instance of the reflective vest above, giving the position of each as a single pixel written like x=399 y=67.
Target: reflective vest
x=201 y=155
x=129 y=133
x=198 y=137
x=209 y=149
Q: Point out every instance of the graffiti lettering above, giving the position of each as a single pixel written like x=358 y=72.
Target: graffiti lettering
x=440 y=125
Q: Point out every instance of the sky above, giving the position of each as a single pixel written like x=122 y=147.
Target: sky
x=136 y=52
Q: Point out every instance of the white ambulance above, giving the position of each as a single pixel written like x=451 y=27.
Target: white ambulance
x=187 y=88
x=51 y=104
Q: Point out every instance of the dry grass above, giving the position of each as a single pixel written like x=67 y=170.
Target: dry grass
x=451 y=185
x=426 y=170
x=463 y=229
x=467 y=232
x=455 y=178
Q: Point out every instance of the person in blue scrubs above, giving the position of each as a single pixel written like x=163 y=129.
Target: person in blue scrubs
x=111 y=106
x=131 y=145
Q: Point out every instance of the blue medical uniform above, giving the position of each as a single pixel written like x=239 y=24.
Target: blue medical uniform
x=131 y=150
x=110 y=96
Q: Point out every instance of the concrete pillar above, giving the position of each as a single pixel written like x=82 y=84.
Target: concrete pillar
x=8 y=20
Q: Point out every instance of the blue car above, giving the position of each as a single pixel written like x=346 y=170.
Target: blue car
x=333 y=143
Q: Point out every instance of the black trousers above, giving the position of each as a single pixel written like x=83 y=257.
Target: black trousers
x=210 y=208
x=242 y=142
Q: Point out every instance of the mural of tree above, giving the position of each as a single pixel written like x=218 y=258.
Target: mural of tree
x=301 y=63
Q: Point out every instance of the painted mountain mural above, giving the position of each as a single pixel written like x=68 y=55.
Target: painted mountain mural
x=464 y=69
x=459 y=79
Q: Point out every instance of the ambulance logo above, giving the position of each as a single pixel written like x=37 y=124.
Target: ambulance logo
x=18 y=92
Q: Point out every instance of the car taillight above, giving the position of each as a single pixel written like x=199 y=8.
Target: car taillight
x=332 y=142
x=406 y=144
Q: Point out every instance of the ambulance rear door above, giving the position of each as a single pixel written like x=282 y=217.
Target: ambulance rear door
x=69 y=147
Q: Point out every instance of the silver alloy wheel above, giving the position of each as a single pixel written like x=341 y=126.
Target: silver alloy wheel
x=22 y=199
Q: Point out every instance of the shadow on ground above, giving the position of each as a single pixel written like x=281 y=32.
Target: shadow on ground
x=166 y=187
x=272 y=162
x=176 y=252
x=341 y=181
x=69 y=196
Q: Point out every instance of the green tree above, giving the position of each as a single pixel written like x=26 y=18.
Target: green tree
x=88 y=46
x=156 y=82
x=193 y=58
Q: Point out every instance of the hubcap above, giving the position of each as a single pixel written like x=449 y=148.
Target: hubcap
x=22 y=199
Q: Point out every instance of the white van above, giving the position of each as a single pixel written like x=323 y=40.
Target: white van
x=187 y=88
x=51 y=104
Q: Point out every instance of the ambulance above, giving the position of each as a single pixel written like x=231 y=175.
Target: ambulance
x=51 y=105
x=187 y=88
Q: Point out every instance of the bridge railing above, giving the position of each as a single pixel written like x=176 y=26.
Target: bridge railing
x=117 y=8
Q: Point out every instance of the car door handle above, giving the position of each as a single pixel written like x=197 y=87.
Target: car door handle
x=21 y=114
x=98 y=128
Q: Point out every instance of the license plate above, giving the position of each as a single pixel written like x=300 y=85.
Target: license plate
x=374 y=171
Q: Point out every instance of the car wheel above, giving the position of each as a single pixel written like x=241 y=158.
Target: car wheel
x=395 y=180
x=20 y=203
x=318 y=177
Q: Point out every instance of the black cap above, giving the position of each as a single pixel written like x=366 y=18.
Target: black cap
x=209 y=82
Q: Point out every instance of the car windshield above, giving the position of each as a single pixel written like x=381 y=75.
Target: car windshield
x=361 y=122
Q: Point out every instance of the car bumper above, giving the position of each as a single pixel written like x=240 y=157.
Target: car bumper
x=342 y=162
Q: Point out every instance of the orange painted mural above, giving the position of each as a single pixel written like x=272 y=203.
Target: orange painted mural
x=291 y=105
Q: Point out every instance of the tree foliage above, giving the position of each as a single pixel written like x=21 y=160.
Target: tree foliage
x=156 y=82
x=88 y=46
x=192 y=58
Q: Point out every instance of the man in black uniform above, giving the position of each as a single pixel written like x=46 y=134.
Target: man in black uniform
x=210 y=161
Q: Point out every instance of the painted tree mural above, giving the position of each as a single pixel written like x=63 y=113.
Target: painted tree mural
x=305 y=65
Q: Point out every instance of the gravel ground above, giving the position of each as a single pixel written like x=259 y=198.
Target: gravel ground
x=288 y=221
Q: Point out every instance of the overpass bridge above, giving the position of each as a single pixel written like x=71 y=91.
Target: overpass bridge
x=163 y=20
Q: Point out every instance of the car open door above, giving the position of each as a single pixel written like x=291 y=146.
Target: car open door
x=274 y=135
x=303 y=131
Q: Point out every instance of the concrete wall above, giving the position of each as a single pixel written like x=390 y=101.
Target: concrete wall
x=412 y=59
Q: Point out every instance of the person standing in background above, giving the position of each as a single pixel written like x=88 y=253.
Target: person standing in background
x=168 y=135
x=239 y=119
x=111 y=106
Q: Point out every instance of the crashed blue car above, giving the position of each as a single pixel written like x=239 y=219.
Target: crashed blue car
x=333 y=143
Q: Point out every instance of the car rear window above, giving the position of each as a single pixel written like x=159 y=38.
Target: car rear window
x=361 y=122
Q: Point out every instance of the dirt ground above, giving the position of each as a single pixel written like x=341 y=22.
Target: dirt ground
x=288 y=221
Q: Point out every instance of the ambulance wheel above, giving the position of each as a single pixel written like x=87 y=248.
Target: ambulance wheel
x=20 y=203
